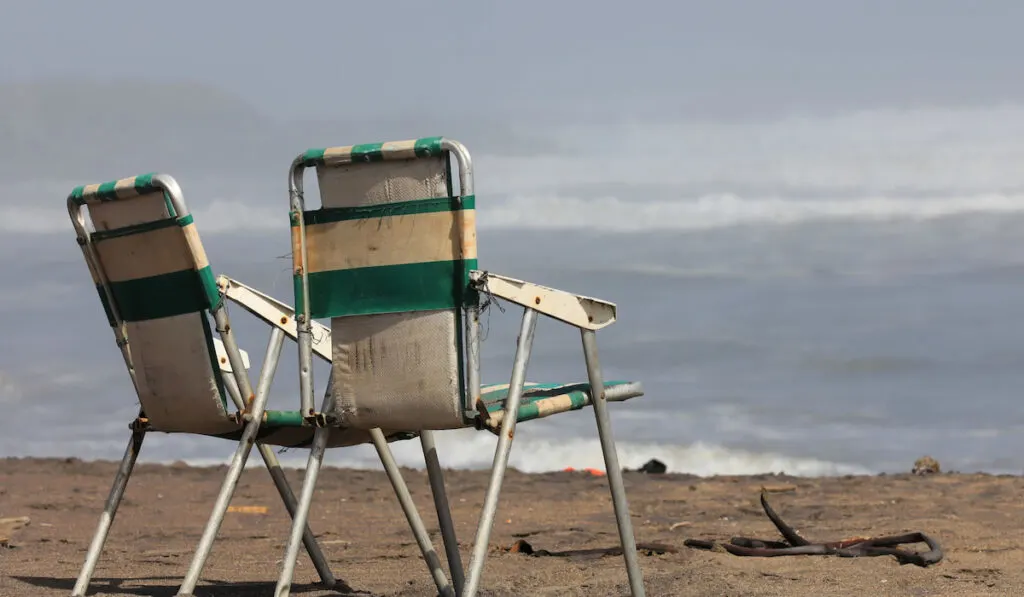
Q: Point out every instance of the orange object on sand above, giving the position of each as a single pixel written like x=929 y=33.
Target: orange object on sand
x=248 y=509
x=593 y=471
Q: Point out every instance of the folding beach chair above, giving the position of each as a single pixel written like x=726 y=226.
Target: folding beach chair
x=390 y=259
x=156 y=287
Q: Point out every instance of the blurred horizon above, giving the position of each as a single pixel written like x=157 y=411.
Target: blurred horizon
x=808 y=212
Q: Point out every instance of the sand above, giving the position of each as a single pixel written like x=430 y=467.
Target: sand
x=978 y=520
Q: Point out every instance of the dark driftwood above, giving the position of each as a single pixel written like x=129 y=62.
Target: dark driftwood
x=524 y=547
x=795 y=545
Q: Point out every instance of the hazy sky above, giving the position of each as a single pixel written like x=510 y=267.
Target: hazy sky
x=733 y=113
x=557 y=58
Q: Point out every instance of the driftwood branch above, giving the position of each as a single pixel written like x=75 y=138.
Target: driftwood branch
x=795 y=545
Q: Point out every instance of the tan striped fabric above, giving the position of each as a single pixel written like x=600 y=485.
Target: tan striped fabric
x=171 y=356
x=401 y=370
x=110 y=215
x=391 y=240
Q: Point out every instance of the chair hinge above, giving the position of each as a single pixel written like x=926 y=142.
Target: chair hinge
x=140 y=424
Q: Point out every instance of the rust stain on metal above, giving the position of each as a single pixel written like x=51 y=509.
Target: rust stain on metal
x=284 y=319
x=536 y=301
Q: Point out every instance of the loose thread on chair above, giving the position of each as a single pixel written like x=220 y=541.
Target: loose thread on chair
x=286 y=270
x=482 y=286
x=316 y=337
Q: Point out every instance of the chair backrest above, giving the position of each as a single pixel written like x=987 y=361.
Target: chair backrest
x=155 y=285
x=387 y=257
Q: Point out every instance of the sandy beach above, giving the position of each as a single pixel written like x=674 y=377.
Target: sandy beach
x=978 y=520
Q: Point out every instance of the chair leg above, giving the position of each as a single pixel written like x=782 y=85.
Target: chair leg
x=131 y=453
x=254 y=418
x=266 y=378
x=220 y=507
x=316 y=459
x=611 y=462
x=323 y=568
x=444 y=514
x=412 y=515
x=501 y=452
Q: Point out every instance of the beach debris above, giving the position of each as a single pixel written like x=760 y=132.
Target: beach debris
x=680 y=524
x=248 y=509
x=649 y=549
x=926 y=465
x=651 y=467
x=795 y=545
x=781 y=488
x=8 y=526
x=591 y=471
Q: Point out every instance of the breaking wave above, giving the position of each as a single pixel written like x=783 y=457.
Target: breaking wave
x=474 y=450
x=873 y=165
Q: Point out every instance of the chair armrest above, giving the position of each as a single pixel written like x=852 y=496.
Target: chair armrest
x=577 y=310
x=275 y=313
x=222 y=356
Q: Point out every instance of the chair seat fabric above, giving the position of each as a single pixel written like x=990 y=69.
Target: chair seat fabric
x=286 y=428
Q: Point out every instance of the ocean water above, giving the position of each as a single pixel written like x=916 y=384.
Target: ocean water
x=830 y=295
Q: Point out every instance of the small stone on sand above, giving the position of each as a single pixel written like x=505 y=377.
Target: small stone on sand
x=8 y=526
x=926 y=465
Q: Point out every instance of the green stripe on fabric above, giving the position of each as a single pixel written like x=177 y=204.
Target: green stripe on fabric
x=448 y=175
x=428 y=146
x=107 y=189
x=170 y=206
x=368 y=152
x=460 y=350
x=144 y=182
x=101 y=235
x=382 y=210
x=493 y=392
x=534 y=396
x=313 y=157
x=185 y=220
x=210 y=289
x=211 y=350
x=106 y=306
x=160 y=296
x=374 y=152
x=283 y=418
x=531 y=410
x=387 y=289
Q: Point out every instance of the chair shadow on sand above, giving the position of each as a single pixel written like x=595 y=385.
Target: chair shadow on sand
x=212 y=588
